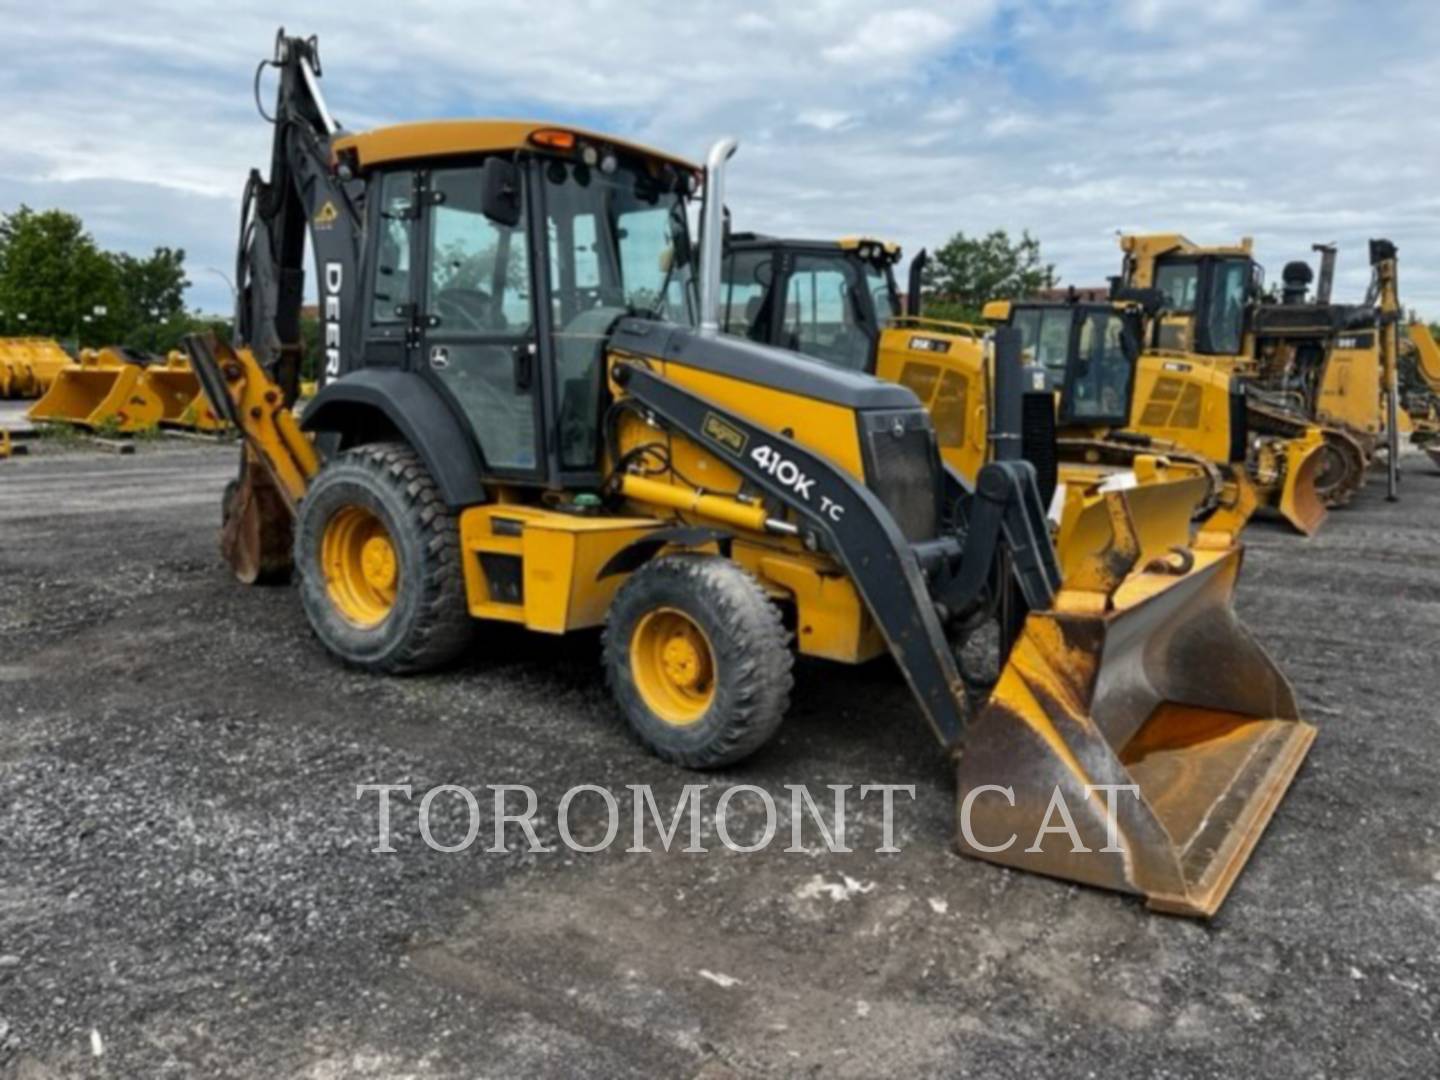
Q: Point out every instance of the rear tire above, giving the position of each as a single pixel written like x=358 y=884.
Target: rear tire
x=378 y=554
x=698 y=659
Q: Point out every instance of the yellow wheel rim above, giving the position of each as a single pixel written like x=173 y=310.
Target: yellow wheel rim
x=362 y=571
x=673 y=666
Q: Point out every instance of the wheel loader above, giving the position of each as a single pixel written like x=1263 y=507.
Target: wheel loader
x=837 y=301
x=1320 y=378
x=528 y=415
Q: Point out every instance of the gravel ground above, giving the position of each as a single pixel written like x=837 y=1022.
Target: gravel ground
x=188 y=887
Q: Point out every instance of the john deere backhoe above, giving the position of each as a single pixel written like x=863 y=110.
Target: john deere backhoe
x=522 y=422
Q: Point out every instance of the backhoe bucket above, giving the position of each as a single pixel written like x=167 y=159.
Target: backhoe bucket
x=100 y=396
x=1301 y=503
x=1139 y=738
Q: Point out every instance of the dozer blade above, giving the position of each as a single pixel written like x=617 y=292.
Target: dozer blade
x=1300 y=501
x=1161 y=510
x=1150 y=698
x=100 y=397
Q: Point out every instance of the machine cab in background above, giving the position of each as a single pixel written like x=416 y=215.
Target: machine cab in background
x=1086 y=353
x=824 y=299
x=499 y=265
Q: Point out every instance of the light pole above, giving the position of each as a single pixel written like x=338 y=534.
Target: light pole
x=225 y=278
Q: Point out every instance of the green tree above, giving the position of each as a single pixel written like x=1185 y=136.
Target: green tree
x=52 y=271
x=153 y=297
x=967 y=271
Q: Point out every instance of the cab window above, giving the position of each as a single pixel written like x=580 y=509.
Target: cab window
x=1179 y=283
x=1044 y=336
x=391 y=284
x=1098 y=387
x=824 y=316
x=1225 y=317
x=745 y=282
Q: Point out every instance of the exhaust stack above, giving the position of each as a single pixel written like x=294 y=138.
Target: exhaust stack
x=712 y=228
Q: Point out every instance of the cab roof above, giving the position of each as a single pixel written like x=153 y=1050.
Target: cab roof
x=450 y=138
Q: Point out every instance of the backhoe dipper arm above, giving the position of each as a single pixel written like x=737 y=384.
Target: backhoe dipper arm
x=306 y=186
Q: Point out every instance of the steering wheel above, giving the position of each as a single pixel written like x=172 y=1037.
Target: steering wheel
x=472 y=308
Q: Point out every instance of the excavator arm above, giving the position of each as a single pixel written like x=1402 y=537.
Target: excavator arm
x=307 y=189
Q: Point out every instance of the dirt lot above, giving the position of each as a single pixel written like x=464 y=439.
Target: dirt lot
x=186 y=885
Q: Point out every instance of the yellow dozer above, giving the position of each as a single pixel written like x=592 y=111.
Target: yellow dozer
x=105 y=391
x=574 y=449
x=1313 y=376
x=28 y=365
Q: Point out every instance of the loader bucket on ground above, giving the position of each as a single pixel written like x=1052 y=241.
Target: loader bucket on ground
x=29 y=365
x=1157 y=699
x=111 y=398
x=1301 y=503
x=182 y=405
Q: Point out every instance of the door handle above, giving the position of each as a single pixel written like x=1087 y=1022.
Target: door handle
x=524 y=367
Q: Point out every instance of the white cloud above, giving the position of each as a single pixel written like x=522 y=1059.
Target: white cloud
x=1221 y=120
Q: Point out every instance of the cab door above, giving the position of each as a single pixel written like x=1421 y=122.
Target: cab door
x=478 y=337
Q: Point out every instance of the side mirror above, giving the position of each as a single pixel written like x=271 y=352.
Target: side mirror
x=500 y=191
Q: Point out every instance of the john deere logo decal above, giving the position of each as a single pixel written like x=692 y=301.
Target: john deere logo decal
x=326 y=215
x=726 y=435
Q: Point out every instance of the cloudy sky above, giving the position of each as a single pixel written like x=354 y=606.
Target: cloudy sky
x=1293 y=123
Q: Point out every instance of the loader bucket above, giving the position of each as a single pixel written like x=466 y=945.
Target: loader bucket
x=1154 y=701
x=182 y=405
x=101 y=397
x=1301 y=503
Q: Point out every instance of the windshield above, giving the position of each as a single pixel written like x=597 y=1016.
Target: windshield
x=1179 y=282
x=882 y=287
x=617 y=240
x=618 y=244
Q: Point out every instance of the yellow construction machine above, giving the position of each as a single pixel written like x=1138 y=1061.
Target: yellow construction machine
x=529 y=416
x=28 y=365
x=1320 y=378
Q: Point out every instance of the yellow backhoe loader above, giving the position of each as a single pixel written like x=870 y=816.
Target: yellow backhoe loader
x=28 y=365
x=105 y=391
x=523 y=420
x=1316 y=374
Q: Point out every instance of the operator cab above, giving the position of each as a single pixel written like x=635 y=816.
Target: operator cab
x=1206 y=302
x=499 y=255
x=1086 y=353
x=824 y=299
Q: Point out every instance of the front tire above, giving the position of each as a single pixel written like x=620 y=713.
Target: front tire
x=378 y=553
x=698 y=660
